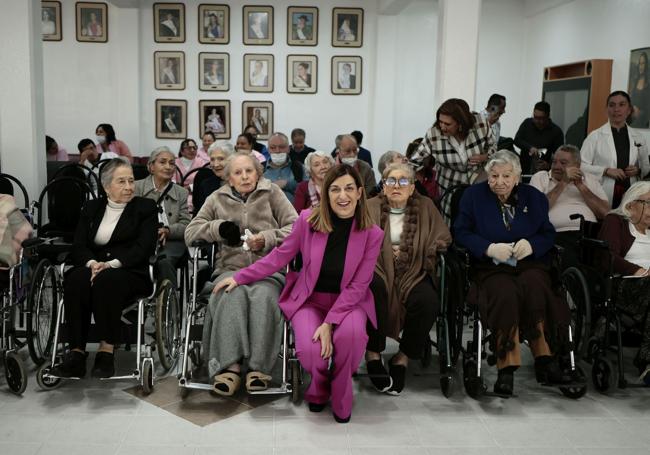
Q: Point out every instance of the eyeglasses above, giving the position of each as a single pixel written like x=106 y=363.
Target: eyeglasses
x=391 y=181
x=191 y=147
x=643 y=201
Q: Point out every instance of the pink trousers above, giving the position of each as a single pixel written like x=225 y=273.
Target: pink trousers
x=349 y=339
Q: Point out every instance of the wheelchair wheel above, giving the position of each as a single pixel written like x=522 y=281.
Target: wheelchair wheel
x=578 y=299
x=41 y=316
x=168 y=325
x=474 y=386
x=295 y=381
x=578 y=391
x=147 y=376
x=602 y=374
x=47 y=383
x=15 y=373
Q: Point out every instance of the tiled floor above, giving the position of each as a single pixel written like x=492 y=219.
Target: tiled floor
x=87 y=417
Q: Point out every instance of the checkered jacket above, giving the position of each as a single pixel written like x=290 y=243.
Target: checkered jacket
x=452 y=168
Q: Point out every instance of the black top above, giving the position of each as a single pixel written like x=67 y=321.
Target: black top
x=331 y=270
x=203 y=189
x=301 y=155
x=622 y=145
x=529 y=136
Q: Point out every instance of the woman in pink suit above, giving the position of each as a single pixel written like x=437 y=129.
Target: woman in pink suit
x=329 y=299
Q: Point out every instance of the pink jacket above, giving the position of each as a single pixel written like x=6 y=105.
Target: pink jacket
x=361 y=256
x=118 y=147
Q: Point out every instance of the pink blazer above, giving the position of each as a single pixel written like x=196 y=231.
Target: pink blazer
x=360 y=259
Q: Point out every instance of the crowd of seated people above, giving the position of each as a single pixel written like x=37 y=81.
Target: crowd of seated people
x=368 y=249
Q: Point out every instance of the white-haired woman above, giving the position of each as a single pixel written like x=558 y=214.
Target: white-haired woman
x=627 y=231
x=246 y=323
x=218 y=153
x=308 y=192
x=173 y=212
x=110 y=254
x=506 y=228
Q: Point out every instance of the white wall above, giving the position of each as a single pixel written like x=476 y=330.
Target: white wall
x=89 y=83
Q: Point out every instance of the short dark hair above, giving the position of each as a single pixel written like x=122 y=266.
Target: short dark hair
x=49 y=142
x=457 y=109
x=496 y=100
x=214 y=138
x=84 y=143
x=298 y=132
x=184 y=144
x=250 y=125
x=358 y=135
x=110 y=132
x=544 y=107
x=620 y=93
x=249 y=138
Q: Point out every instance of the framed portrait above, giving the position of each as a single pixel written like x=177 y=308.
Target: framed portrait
x=258 y=73
x=302 y=26
x=347 y=27
x=214 y=71
x=51 y=21
x=214 y=116
x=639 y=87
x=260 y=114
x=169 y=70
x=258 y=25
x=302 y=73
x=171 y=119
x=347 y=74
x=214 y=24
x=92 y=22
x=169 y=22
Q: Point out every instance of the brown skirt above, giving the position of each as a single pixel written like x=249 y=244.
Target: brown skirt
x=520 y=297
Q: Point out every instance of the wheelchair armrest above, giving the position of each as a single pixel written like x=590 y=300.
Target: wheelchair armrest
x=595 y=242
x=153 y=259
x=28 y=243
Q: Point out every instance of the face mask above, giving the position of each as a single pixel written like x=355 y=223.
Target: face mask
x=349 y=161
x=101 y=139
x=279 y=158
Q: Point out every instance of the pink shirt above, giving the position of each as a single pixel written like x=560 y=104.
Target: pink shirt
x=62 y=155
x=118 y=147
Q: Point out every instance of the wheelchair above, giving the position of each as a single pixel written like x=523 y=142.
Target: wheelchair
x=192 y=362
x=482 y=341
x=143 y=371
x=614 y=330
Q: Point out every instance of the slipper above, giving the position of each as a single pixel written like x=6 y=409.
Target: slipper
x=256 y=381
x=227 y=383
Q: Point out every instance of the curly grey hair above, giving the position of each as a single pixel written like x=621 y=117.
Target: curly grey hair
x=256 y=164
x=408 y=170
x=316 y=153
x=225 y=146
x=633 y=193
x=156 y=153
x=504 y=157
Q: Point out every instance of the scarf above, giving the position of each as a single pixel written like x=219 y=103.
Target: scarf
x=314 y=193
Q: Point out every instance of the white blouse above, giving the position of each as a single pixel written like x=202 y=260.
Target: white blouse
x=639 y=252
x=396 y=227
x=107 y=226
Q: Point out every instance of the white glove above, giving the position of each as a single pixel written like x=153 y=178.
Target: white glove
x=522 y=249
x=245 y=237
x=500 y=251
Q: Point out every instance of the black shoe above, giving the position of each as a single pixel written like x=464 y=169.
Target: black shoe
x=340 y=420
x=398 y=375
x=547 y=371
x=74 y=366
x=316 y=407
x=379 y=376
x=104 y=365
x=505 y=382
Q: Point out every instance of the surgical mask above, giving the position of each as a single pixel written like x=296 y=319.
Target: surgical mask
x=349 y=161
x=101 y=139
x=279 y=158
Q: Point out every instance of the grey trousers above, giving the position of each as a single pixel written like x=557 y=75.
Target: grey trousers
x=166 y=267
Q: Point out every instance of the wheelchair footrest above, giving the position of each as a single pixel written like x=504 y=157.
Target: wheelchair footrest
x=572 y=384
x=498 y=395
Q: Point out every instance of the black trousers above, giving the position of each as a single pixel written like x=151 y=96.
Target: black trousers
x=422 y=307
x=105 y=298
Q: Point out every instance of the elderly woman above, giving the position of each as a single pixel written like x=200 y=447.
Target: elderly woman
x=246 y=324
x=616 y=153
x=403 y=286
x=627 y=231
x=459 y=142
x=506 y=228
x=110 y=255
x=218 y=153
x=328 y=300
x=308 y=192
x=173 y=214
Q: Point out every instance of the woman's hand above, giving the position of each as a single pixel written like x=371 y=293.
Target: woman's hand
x=522 y=249
x=324 y=334
x=631 y=171
x=475 y=160
x=97 y=267
x=614 y=173
x=228 y=283
x=500 y=251
x=256 y=242
x=163 y=234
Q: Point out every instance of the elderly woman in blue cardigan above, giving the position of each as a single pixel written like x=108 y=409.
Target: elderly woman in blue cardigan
x=505 y=226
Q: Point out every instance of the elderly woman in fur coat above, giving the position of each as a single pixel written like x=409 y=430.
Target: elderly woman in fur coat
x=246 y=324
x=403 y=287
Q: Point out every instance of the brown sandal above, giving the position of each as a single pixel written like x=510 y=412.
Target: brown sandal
x=256 y=381
x=226 y=383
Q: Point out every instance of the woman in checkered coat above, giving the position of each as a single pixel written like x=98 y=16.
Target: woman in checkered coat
x=460 y=142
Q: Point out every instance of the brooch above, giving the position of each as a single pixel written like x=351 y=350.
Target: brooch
x=526 y=209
